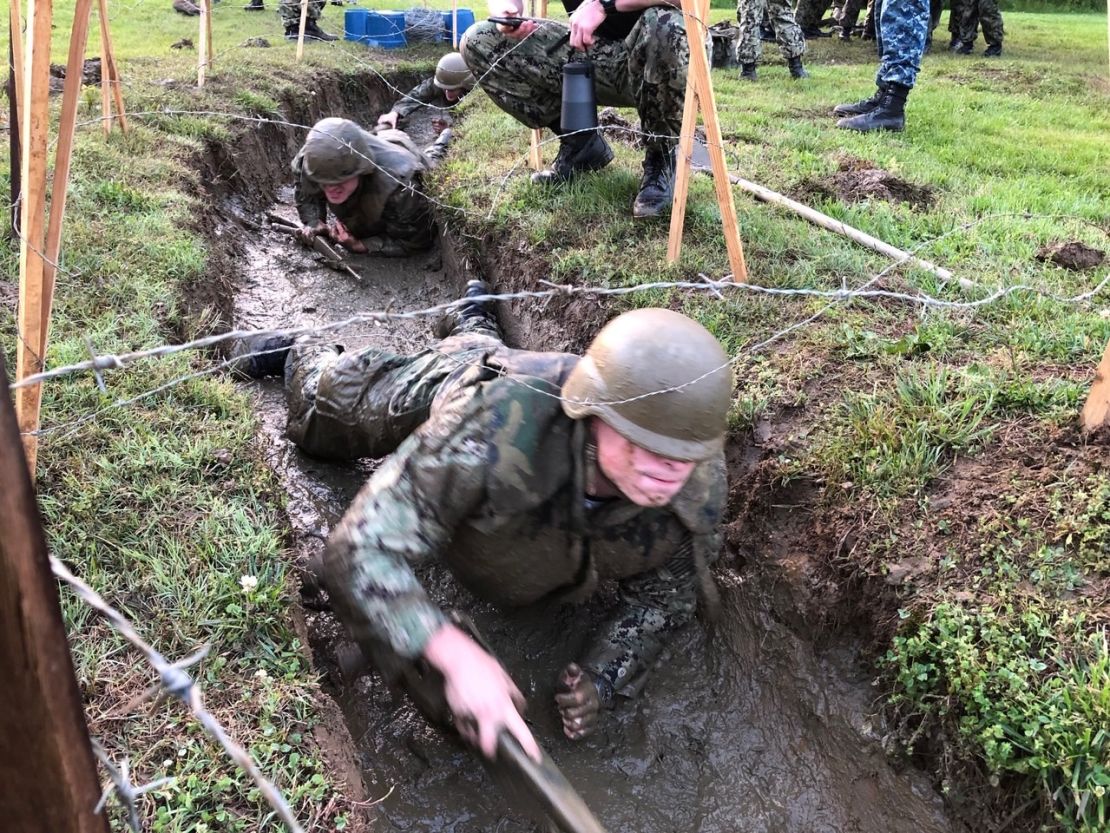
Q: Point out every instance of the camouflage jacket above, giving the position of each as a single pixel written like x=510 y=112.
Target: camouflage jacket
x=426 y=92
x=493 y=483
x=388 y=210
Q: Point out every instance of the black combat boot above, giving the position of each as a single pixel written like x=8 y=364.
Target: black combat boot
x=858 y=107
x=747 y=72
x=796 y=69
x=845 y=33
x=257 y=357
x=993 y=50
x=656 y=185
x=579 y=152
x=812 y=33
x=254 y=6
x=888 y=114
x=964 y=48
x=476 y=317
x=954 y=44
x=313 y=30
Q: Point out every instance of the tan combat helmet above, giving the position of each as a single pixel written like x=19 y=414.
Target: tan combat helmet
x=452 y=73
x=658 y=378
x=337 y=150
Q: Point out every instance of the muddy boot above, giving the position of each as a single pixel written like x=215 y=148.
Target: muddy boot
x=954 y=44
x=994 y=50
x=964 y=48
x=857 y=108
x=656 y=185
x=797 y=71
x=438 y=149
x=257 y=357
x=313 y=30
x=747 y=72
x=813 y=33
x=185 y=7
x=254 y=6
x=578 y=153
x=888 y=114
x=471 y=317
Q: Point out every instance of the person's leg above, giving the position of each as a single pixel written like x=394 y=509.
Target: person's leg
x=991 y=19
x=749 y=49
x=792 y=43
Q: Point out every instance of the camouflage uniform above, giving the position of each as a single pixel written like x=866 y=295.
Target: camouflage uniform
x=956 y=18
x=810 y=13
x=646 y=70
x=290 y=11
x=387 y=211
x=488 y=473
x=849 y=14
x=749 y=13
x=986 y=13
x=900 y=30
x=426 y=92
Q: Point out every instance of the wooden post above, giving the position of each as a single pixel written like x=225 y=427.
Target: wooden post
x=695 y=13
x=208 y=31
x=300 y=31
x=110 y=75
x=535 y=148
x=105 y=71
x=50 y=780
x=202 y=39
x=455 y=24
x=35 y=130
x=1096 y=411
x=15 y=25
x=15 y=157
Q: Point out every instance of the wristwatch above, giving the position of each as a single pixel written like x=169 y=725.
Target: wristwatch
x=608 y=6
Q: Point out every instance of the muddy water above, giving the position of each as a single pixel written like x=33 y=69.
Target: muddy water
x=743 y=727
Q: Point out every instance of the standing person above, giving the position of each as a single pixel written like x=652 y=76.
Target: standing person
x=445 y=89
x=849 y=17
x=639 y=53
x=809 y=15
x=534 y=476
x=290 y=11
x=370 y=183
x=900 y=30
x=987 y=14
x=749 y=49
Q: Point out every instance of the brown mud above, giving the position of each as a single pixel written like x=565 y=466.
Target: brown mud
x=762 y=721
x=1071 y=254
x=857 y=180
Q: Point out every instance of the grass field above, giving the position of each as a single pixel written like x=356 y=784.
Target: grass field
x=942 y=441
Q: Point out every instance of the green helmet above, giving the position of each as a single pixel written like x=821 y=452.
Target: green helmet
x=336 y=150
x=452 y=73
x=658 y=378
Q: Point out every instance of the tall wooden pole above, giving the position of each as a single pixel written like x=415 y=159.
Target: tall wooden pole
x=202 y=38
x=535 y=147
x=14 y=156
x=105 y=71
x=15 y=24
x=300 y=31
x=35 y=127
x=50 y=781
x=109 y=72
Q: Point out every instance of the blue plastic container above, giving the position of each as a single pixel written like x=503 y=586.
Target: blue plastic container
x=466 y=20
x=385 y=30
x=354 y=24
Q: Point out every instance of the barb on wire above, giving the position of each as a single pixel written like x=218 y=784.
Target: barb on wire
x=119 y=782
x=177 y=682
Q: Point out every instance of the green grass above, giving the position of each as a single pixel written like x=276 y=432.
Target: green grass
x=165 y=506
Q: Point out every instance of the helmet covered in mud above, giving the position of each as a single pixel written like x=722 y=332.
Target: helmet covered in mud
x=452 y=73
x=336 y=150
x=658 y=378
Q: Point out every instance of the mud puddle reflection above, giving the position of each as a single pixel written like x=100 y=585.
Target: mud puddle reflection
x=742 y=728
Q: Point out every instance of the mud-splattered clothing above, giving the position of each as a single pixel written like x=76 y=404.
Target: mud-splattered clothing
x=645 y=70
x=290 y=11
x=426 y=92
x=984 y=13
x=900 y=30
x=749 y=14
x=388 y=211
x=489 y=474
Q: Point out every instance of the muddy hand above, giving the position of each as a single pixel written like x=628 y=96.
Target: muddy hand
x=578 y=701
x=388 y=120
x=305 y=234
x=340 y=235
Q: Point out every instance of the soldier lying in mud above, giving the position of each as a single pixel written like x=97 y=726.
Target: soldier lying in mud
x=534 y=476
x=371 y=182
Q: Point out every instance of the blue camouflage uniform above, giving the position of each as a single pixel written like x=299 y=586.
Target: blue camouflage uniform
x=901 y=29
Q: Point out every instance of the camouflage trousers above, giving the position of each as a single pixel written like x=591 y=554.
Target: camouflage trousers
x=956 y=16
x=900 y=30
x=749 y=13
x=646 y=70
x=810 y=13
x=345 y=406
x=849 y=14
x=290 y=11
x=986 y=13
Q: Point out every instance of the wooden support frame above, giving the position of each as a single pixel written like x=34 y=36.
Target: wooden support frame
x=455 y=24
x=110 y=88
x=49 y=771
x=699 y=97
x=300 y=31
x=1096 y=410
x=535 y=146
x=204 y=48
x=15 y=23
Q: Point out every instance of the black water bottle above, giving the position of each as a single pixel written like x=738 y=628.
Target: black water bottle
x=579 y=103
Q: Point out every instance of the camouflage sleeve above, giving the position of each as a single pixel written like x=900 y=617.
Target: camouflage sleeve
x=409 y=223
x=312 y=207
x=406 y=514
x=423 y=93
x=652 y=606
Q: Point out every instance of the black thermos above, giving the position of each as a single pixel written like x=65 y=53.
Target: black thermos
x=579 y=103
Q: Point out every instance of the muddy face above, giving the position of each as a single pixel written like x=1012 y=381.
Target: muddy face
x=743 y=726
x=645 y=478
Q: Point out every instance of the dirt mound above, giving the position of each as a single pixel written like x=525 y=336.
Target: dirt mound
x=90 y=75
x=1073 y=254
x=618 y=128
x=858 y=180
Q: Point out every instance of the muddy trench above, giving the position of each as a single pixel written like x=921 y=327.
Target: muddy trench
x=762 y=722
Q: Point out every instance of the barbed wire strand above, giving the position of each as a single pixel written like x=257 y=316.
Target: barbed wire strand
x=175 y=681
x=119 y=782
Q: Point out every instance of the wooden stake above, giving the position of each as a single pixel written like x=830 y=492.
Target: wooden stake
x=1096 y=411
x=535 y=148
x=105 y=70
x=300 y=32
x=35 y=127
x=695 y=12
x=208 y=30
x=202 y=38
x=15 y=24
x=50 y=781
x=684 y=157
x=78 y=40
x=112 y=69
x=455 y=24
